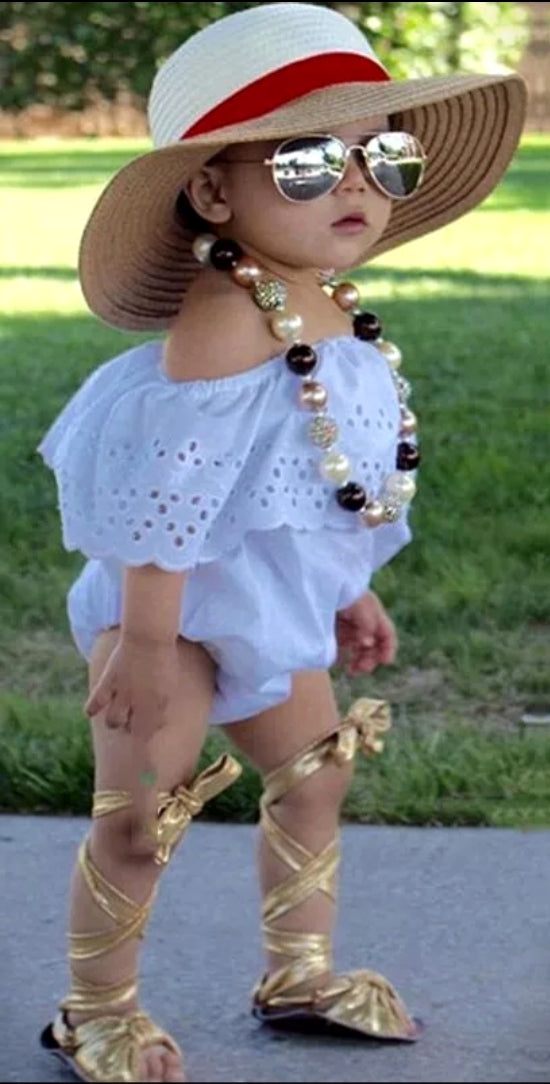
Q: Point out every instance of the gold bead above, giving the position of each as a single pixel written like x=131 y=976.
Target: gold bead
x=346 y=296
x=286 y=325
x=374 y=514
x=247 y=273
x=335 y=467
x=313 y=395
x=391 y=352
x=202 y=246
x=409 y=423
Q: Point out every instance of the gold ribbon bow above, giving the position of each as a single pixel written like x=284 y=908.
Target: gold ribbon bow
x=176 y=809
x=370 y=719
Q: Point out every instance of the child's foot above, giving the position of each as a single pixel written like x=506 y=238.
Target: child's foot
x=157 y=1065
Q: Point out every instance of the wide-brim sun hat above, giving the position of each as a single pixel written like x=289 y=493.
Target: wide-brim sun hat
x=267 y=73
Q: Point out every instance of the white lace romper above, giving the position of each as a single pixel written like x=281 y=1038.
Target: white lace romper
x=219 y=478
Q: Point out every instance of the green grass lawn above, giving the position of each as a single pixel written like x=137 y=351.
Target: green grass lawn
x=469 y=305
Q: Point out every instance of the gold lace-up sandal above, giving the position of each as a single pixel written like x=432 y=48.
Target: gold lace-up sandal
x=108 y=1047
x=361 y=1001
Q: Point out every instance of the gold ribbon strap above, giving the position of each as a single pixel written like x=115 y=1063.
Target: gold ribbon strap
x=311 y=956
x=177 y=809
x=310 y=873
x=90 y=997
x=110 y=801
x=130 y=918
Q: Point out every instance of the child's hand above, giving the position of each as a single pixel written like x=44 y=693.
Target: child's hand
x=365 y=635
x=136 y=687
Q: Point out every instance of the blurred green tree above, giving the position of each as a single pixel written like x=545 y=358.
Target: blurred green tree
x=69 y=53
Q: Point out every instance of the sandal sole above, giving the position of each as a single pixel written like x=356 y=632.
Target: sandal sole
x=309 y=1022
x=49 y=1043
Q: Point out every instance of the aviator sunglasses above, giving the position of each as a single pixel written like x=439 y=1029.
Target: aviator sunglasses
x=308 y=167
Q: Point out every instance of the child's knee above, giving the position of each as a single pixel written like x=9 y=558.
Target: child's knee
x=320 y=794
x=127 y=836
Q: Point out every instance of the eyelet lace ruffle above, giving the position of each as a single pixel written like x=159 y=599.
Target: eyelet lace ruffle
x=154 y=471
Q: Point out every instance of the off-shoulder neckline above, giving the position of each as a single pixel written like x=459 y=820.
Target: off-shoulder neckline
x=248 y=376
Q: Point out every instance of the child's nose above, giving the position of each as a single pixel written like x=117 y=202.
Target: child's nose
x=354 y=178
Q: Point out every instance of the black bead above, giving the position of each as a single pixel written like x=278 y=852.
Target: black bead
x=301 y=359
x=408 y=456
x=367 y=327
x=225 y=255
x=351 y=497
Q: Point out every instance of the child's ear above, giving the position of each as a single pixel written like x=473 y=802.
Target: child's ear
x=206 y=194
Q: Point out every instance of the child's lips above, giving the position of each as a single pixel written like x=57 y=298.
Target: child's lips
x=351 y=223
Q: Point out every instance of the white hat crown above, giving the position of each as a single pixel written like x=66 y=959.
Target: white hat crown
x=235 y=52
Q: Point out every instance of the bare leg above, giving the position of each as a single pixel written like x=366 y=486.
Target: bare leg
x=118 y=844
x=310 y=811
x=306 y=756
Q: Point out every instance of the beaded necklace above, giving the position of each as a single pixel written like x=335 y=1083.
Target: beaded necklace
x=270 y=295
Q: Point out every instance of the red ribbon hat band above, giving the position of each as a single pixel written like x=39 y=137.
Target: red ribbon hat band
x=249 y=64
x=285 y=84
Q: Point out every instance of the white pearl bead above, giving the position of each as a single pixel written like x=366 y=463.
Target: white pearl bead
x=202 y=247
x=409 y=423
x=401 y=486
x=391 y=352
x=287 y=325
x=335 y=467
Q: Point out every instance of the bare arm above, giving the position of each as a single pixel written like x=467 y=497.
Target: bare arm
x=140 y=677
x=151 y=606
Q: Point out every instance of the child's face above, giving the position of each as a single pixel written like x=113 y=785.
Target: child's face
x=335 y=230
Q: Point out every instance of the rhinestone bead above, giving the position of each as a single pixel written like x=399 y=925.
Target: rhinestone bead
x=287 y=325
x=374 y=514
x=301 y=360
x=323 y=432
x=313 y=395
x=392 y=511
x=225 y=255
x=408 y=456
x=335 y=467
x=391 y=352
x=270 y=294
x=404 y=389
x=247 y=273
x=351 y=497
x=202 y=247
x=366 y=326
x=346 y=296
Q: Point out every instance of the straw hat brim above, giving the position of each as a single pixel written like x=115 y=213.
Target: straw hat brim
x=136 y=261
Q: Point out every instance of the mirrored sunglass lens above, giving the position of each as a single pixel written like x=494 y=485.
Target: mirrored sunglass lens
x=305 y=169
x=396 y=162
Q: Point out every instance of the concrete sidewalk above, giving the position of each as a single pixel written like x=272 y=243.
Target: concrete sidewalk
x=458 y=919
